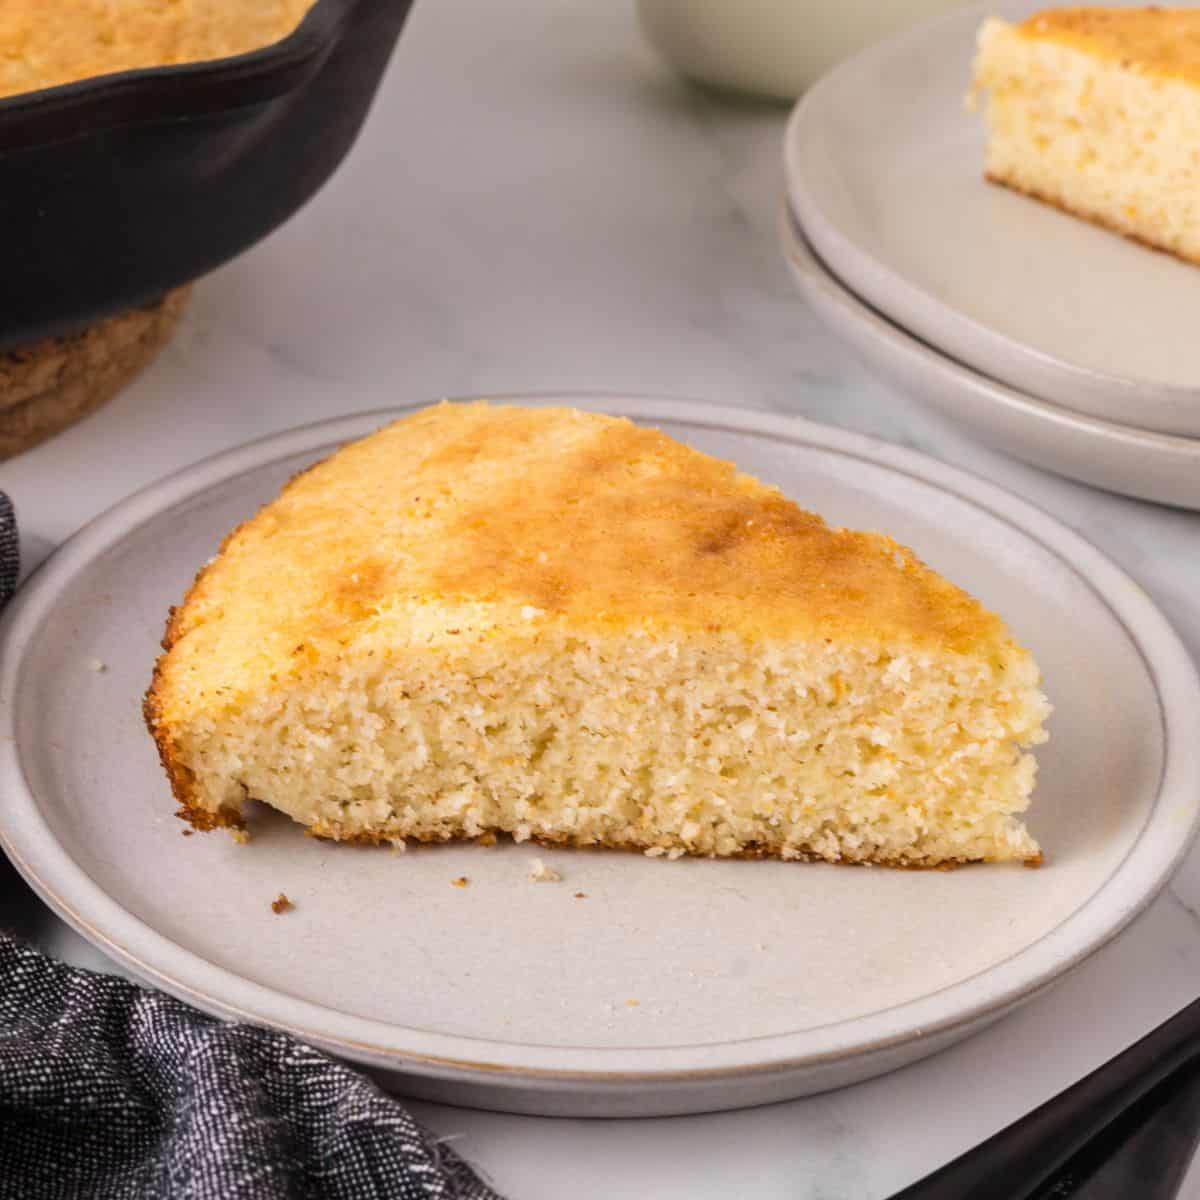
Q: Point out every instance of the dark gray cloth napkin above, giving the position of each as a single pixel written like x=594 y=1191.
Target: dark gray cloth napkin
x=111 y=1090
x=10 y=554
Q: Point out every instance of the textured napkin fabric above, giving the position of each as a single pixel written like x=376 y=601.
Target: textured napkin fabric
x=10 y=558
x=110 y=1090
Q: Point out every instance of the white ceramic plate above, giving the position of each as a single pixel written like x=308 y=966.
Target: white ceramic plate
x=1150 y=466
x=754 y=981
x=884 y=171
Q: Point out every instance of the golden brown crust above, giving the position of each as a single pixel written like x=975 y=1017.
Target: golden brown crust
x=1092 y=218
x=1152 y=41
x=466 y=504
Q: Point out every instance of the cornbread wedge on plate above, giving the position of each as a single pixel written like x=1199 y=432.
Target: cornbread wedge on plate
x=1097 y=111
x=564 y=626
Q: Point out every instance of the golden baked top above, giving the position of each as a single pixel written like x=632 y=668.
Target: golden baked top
x=44 y=43
x=473 y=520
x=1152 y=41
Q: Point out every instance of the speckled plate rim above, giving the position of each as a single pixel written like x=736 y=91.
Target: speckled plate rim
x=66 y=887
x=1152 y=405
x=1161 y=467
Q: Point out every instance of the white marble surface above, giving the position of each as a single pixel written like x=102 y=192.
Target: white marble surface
x=536 y=204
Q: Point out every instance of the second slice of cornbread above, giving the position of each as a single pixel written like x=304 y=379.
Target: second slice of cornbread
x=1097 y=111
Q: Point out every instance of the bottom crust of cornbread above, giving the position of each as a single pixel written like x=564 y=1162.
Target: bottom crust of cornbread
x=745 y=852
x=207 y=822
x=1100 y=220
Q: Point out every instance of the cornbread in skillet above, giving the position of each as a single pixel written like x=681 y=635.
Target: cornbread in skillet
x=44 y=43
x=1097 y=111
x=567 y=627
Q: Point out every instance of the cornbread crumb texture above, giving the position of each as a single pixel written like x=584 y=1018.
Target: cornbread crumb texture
x=44 y=43
x=568 y=628
x=281 y=904
x=1097 y=111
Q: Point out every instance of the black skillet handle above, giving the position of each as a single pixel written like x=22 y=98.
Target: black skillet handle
x=1144 y=1154
x=1020 y=1159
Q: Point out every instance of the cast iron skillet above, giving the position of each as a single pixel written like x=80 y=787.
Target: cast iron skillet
x=115 y=189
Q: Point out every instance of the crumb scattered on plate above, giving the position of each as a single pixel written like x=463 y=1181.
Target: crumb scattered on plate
x=98 y=665
x=632 y=1003
x=461 y=881
x=281 y=904
x=187 y=832
x=540 y=873
x=581 y=895
x=240 y=836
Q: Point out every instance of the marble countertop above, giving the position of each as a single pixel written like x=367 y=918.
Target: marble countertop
x=536 y=203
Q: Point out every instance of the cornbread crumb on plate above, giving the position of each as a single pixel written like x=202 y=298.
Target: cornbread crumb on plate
x=540 y=873
x=1097 y=111
x=461 y=882
x=281 y=904
x=566 y=627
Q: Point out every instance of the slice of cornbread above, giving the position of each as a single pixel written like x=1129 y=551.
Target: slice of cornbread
x=1097 y=111
x=564 y=626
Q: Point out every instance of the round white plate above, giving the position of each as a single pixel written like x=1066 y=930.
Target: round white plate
x=884 y=170
x=669 y=987
x=1150 y=466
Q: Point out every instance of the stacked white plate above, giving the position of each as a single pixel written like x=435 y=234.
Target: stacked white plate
x=1048 y=338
